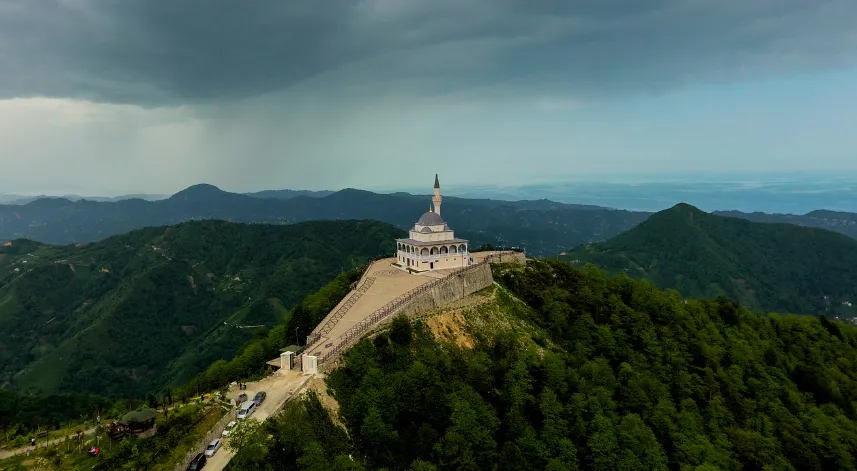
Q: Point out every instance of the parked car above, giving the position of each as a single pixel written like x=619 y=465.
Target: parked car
x=228 y=429
x=242 y=398
x=246 y=410
x=197 y=463
x=259 y=398
x=212 y=447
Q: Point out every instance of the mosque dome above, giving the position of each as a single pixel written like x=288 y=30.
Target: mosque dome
x=430 y=219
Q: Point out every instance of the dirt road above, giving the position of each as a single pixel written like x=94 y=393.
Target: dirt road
x=280 y=388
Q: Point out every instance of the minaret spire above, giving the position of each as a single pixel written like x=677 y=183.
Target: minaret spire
x=436 y=199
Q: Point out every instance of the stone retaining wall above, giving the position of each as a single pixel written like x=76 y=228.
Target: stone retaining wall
x=204 y=441
x=445 y=291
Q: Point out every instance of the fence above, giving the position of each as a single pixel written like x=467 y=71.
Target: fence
x=211 y=435
x=355 y=332
x=323 y=329
x=348 y=337
x=340 y=312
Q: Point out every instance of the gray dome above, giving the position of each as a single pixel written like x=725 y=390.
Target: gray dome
x=430 y=219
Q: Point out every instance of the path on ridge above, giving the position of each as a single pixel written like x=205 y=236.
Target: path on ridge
x=380 y=284
x=383 y=283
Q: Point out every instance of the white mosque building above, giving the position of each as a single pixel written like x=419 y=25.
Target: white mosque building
x=432 y=244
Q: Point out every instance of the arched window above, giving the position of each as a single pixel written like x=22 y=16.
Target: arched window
x=462 y=248
x=444 y=250
x=399 y=246
x=453 y=249
x=424 y=252
x=434 y=250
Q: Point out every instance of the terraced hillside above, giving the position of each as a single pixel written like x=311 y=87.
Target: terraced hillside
x=151 y=308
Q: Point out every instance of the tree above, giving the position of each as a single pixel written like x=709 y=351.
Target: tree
x=249 y=441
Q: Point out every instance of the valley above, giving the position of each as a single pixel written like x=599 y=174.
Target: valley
x=147 y=310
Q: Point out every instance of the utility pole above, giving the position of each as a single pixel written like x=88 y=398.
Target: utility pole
x=297 y=339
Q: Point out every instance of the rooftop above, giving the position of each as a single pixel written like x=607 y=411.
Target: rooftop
x=431 y=218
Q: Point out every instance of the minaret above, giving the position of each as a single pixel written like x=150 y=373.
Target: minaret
x=436 y=199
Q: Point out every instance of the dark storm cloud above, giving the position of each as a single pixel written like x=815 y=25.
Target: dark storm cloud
x=155 y=52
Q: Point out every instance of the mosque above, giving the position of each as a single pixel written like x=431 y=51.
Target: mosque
x=432 y=244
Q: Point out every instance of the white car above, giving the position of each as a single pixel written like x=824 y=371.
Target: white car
x=228 y=429
x=212 y=447
x=246 y=410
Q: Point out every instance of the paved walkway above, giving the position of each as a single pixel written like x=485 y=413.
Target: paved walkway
x=380 y=284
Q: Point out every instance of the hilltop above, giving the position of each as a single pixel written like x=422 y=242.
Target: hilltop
x=151 y=308
x=769 y=266
x=558 y=368
x=541 y=227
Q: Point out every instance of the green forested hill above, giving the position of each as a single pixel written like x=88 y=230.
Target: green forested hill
x=154 y=307
x=578 y=370
x=769 y=266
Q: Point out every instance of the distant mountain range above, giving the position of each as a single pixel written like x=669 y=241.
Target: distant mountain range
x=278 y=194
x=19 y=199
x=842 y=222
x=541 y=227
x=768 y=266
x=151 y=308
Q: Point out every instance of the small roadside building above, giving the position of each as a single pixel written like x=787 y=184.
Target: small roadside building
x=140 y=423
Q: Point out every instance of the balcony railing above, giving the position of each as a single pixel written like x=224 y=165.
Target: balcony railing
x=414 y=256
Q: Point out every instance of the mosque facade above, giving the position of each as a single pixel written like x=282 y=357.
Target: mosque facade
x=431 y=244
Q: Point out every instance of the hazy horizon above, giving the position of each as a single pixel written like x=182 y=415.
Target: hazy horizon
x=784 y=192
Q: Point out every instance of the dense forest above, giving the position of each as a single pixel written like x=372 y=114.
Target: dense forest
x=612 y=373
x=766 y=266
x=250 y=360
x=150 y=309
x=22 y=415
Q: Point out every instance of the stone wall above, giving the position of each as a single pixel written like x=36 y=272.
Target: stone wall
x=436 y=294
x=507 y=257
x=216 y=432
x=441 y=293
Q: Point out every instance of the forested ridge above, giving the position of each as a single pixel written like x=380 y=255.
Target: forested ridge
x=539 y=225
x=147 y=310
x=766 y=266
x=612 y=373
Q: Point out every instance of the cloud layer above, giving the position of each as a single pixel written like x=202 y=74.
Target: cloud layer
x=167 y=52
x=132 y=96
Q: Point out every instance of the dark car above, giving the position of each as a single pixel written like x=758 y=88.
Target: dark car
x=242 y=398
x=259 y=398
x=197 y=463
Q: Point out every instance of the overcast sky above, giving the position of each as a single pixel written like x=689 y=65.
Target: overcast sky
x=124 y=96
